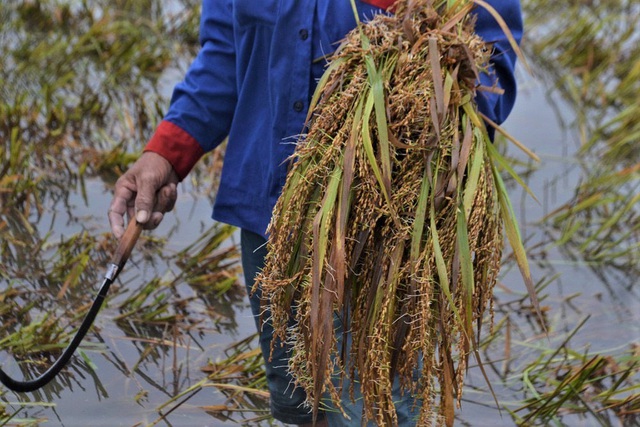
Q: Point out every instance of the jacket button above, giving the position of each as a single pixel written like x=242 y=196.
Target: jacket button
x=304 y=34
x=298 y=106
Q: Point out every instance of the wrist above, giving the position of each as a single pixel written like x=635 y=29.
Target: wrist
x=176 y=146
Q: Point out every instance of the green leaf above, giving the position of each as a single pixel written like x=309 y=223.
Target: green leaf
x=322 y=83
x=497 y=157
x=513 y=235
x=472 y=178
x=441 y=265
x=418 y=223
x=466 y=266
x=377 y=92
x=368 y=147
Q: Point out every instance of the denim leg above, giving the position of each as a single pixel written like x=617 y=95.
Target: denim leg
x=285 y=399
x=407 y=407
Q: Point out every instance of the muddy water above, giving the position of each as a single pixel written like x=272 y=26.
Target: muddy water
x=578 y=291
x=126 y=387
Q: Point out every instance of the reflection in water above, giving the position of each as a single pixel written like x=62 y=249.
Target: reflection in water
x=593 y=65
x=586 y=243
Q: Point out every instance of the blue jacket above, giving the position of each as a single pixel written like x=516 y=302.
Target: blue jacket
x=253 y=79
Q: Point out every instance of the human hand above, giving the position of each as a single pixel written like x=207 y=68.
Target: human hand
x=145 y=192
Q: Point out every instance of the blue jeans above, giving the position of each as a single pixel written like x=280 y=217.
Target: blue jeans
x=287 y=401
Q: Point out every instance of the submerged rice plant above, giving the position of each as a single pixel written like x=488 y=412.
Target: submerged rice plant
x=79 y=89
x=591 y=56
x=239 y=376
x=72 y=73
x=390 y=225
x=572 y=376
x=82 y=86
x=563 y=382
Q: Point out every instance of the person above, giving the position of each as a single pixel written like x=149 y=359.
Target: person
x=252 y=82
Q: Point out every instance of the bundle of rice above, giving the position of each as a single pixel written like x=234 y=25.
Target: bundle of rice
x=390 y=223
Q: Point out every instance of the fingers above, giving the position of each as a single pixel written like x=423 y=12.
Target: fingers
x=123 y=196
x=116 y=220
x=165 y=202
x=123 y=205
x=154 y=220
x=166 y=198
x=147 y=190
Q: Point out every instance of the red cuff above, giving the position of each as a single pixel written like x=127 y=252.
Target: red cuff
x=177 y=146
x=383 y=4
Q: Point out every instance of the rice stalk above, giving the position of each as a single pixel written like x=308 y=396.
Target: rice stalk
x=390 y=223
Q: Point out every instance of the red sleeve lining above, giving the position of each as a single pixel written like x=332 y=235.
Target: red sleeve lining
x=383 y=4
x=177 y=146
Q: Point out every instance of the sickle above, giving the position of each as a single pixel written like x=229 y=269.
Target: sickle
x=115 y=266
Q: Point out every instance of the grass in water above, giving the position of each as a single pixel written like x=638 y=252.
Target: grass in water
x=592 y=61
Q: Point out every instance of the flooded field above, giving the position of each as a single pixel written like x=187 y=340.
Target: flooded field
x=82 y=86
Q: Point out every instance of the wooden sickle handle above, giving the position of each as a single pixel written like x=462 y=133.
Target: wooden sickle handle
x=126 y=244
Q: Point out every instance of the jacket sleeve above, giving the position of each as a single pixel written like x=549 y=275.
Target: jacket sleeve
x=503 y=59
x=202 y=105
